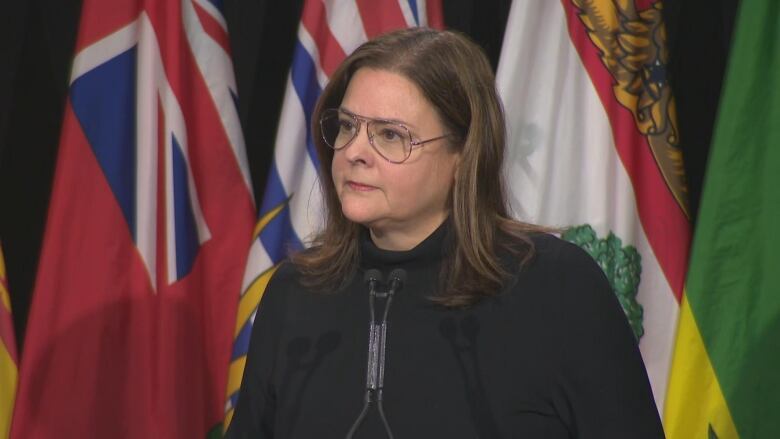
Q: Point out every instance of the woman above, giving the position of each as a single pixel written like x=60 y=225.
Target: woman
x=478 y=325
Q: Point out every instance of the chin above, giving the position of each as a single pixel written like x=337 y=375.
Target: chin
x=359 y=218
x=360 y=214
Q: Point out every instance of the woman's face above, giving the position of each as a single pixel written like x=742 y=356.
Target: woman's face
x=409 y=197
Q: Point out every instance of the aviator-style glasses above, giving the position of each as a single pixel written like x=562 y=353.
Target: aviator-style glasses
x=392 y=140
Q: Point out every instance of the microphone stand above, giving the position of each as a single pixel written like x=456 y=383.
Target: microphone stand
x=377 y=343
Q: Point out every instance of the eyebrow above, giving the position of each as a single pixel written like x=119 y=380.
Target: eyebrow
x=408 y=125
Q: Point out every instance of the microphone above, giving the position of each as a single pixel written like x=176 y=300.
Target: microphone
x=377 y=335
x=397 y=279
x=372 y=277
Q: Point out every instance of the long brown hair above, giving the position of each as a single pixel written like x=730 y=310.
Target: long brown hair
x=455 y=77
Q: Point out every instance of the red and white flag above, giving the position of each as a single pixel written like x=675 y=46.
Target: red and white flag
x=149 y=224
x=593 y=146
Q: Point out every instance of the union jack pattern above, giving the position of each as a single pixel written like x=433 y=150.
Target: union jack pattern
x=125 y=123
x=148 y=230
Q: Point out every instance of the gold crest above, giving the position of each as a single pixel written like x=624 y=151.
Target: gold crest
x=633 y=49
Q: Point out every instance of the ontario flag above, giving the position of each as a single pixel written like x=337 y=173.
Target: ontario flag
x=291 y=210
x=593 y=147
x=149 y=225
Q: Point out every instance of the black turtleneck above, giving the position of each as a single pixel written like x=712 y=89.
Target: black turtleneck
x=552 y=356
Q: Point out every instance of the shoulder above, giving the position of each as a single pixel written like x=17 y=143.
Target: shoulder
x=274 y=285
x=559 y=259
x=563 y=275
x=285 y=274
x=287 y=288
x=599 y=374
x=552 y=250
x=566 y=277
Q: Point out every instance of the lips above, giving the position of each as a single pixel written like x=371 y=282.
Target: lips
x=360 y=187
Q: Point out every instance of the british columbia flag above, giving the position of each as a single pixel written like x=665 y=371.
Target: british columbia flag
x=291 y=209
x=147 y=234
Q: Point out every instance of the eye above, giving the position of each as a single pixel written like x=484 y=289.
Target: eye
x=346 y=125
x=388 y=134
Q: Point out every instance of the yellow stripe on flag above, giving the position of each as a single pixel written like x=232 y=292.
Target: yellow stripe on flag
x=694 y=401
x=9 y=373
x=251 y=298
x=8 y=380
x=5 y=300
x=235 y=375
x=236 y=370
x=270 y=215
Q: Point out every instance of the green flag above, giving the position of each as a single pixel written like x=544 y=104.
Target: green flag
x=733 y=284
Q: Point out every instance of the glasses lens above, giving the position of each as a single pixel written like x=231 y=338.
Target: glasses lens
x=391 y=140
x=338 y=129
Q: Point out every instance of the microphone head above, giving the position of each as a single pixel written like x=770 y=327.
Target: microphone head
x=397 y=278
x=372 y=276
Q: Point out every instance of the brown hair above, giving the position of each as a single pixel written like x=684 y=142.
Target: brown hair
x=455 y=77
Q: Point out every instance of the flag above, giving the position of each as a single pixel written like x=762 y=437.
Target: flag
x=148 y=228
x=9 y=362
x=725 y=381
x=593 y=147
x=291 y=211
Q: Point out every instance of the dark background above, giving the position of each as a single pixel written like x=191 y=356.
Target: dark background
x=36 y=48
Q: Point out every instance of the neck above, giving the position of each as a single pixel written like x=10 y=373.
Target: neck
x=402 y=239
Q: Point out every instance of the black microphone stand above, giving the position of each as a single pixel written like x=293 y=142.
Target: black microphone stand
x=377 y=343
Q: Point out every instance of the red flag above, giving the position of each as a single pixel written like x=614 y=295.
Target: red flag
x=150 y=220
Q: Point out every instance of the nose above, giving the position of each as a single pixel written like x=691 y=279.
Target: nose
x=360 y=149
